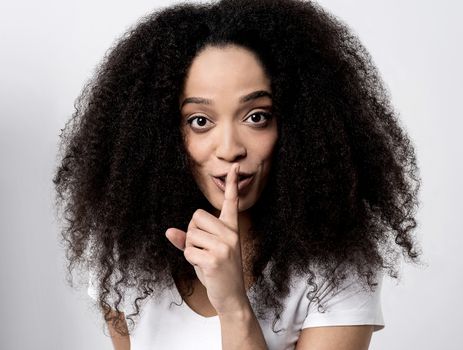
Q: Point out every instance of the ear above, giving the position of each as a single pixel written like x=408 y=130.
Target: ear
x=176 y=237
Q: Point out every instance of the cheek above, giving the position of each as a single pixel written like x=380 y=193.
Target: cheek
x=266 y=157
x=267 y=149
x=199 y=154
x=196 y=149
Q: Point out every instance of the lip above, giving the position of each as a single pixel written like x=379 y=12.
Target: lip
x=241 y=185
x=241 y=173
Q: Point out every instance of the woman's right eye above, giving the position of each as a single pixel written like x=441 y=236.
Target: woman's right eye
x=201 y=121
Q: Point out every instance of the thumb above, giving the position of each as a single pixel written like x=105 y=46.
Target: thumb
x=176 y=237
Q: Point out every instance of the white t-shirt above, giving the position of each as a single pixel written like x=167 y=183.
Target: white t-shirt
x=162 y=324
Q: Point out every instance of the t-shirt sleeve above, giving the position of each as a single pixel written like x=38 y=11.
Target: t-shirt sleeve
x=348 y=305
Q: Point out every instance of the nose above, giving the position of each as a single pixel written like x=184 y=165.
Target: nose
x=229 y=148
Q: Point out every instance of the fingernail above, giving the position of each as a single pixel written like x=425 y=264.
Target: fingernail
x=237 y=169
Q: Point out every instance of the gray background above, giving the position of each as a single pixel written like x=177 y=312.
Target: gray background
x=50 y=48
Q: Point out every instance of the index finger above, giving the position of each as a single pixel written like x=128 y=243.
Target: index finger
x=229 y=212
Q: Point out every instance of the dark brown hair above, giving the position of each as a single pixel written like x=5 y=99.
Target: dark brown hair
x=344 y=180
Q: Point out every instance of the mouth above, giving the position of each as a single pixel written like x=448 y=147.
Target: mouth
x=243 y=181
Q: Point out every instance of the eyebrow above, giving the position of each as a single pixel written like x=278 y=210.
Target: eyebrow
x=243 y=99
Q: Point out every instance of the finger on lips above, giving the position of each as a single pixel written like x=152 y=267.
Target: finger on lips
x=229 y=213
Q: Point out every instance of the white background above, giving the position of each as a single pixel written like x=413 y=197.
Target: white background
x=49 y=49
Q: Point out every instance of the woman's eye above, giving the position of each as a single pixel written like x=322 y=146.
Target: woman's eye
x=266 y=116
x=201 y=121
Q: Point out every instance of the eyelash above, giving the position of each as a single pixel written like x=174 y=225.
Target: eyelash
x=268 y=117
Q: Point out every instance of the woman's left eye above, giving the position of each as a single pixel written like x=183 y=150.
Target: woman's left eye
x=267 y=117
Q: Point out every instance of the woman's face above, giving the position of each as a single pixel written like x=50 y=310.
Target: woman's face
x=226 y=109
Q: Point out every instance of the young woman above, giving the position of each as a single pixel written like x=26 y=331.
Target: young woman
x=234 y=177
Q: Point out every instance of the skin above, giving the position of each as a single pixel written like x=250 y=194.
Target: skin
x=218 y=135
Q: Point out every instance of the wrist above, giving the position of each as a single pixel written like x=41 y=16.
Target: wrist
x=240 y=312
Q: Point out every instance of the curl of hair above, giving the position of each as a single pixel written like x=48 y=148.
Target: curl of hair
x=123 y=156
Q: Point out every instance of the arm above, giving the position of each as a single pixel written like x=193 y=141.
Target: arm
x=119 y=342
x=242 y=331
x=335 y=338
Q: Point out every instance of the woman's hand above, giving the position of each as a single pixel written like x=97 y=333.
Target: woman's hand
x=212 y=246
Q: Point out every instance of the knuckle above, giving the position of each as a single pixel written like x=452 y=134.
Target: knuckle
x=197 y=213
x=214 y=263
x=224 y=250
x=234 y=241
x=186 y=252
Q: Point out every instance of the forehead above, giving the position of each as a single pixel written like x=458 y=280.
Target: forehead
x=224 y=70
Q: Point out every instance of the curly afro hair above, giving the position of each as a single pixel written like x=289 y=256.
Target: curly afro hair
x=354 y=182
